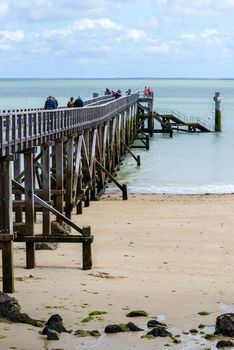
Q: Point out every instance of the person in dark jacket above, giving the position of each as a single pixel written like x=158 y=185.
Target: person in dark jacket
x=118 y=94
x=79 y=102
x=50 y=103
x=107 y=92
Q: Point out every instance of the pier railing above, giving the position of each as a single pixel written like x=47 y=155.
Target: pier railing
x=184 y=118
x=25 y=129
x=93 y=101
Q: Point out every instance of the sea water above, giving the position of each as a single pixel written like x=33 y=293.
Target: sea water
x=185 y=163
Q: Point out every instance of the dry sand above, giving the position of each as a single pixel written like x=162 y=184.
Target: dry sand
x=171 y=255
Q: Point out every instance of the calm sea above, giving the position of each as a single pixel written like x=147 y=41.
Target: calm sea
x=186 y=163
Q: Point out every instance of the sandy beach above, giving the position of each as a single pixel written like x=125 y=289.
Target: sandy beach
x=170 y=255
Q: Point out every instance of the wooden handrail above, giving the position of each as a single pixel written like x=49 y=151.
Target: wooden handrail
x=20 y=129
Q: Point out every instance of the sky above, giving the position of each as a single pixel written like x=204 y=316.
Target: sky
x=115 y=38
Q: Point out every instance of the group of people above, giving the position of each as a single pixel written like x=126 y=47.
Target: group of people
x=116 y=94
x=72 y=103
x=52 y=103
x=148 y=91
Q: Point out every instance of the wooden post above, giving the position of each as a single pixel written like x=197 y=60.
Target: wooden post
x=150 y=124
x=138 y=160
x=218 y=117
x=87 y=198
x=79 y=208
x=59 y=198
x=6 y=225
x=69 y=177
x=125 y=192
x=29 y=208
x=87 y=253
x=147 y=142
x=46 y=187
x=18 y=210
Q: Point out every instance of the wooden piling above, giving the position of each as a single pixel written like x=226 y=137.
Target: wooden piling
x=29 y=207
x=69 y=177
x=86 y=247
x=218 y=116
x=125 y=192
x=6 y=225
x=46 y=188
x=17 y=169
x=59 y=159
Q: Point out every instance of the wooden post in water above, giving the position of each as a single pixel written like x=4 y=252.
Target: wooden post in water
x=218 y=119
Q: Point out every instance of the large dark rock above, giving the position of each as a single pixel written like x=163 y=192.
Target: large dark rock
x=224 y=344
x=137 y=313
x=113 y=328
x=133 y=328
x=225 y=324
x=159 y=332
x=122 y=327
x=60 y=228
x=55 y=323
x=45 y=246
x=155 y=323
x=10 y=309
x=52 y=335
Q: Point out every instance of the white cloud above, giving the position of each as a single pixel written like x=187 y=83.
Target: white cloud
x=88 y=23
x=136 y=35
x=208 y=36
x=4 y=9
x=13 y=36
x=158 y=49
x=189 y=37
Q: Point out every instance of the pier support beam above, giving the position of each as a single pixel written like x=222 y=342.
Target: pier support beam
x=59 y=198
x=46 y=187
x=6 y=225
x=87 y=253
x=17 y=168
x=29 y=207
x=69 y=177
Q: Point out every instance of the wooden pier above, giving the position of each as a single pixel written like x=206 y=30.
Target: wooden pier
x=55 y=162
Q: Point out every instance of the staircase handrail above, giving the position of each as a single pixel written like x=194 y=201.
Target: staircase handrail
x=184 y=118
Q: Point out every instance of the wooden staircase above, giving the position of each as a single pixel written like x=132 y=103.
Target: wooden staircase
x=177 y=121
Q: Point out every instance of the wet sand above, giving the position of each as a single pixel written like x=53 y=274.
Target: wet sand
x=170 y=255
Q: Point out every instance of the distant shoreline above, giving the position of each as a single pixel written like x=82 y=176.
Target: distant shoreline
x=117 y=78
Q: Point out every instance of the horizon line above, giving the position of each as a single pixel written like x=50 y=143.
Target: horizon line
x=116 y=78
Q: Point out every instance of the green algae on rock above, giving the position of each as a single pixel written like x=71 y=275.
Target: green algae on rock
x=137 y=313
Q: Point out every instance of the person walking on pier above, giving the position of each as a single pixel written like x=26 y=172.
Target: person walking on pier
x=107 y=92
x=70 y=103
x=118 y=94
x=50 y=103
x=79 y=102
